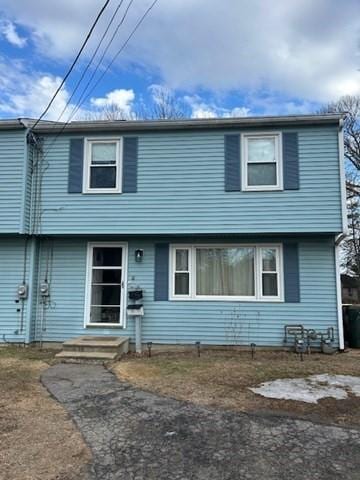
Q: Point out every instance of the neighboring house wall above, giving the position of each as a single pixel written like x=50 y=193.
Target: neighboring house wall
x=211 y=322
x=180 y=188
x=12 y=176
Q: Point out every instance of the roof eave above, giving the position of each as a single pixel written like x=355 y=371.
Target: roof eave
x=213 y=123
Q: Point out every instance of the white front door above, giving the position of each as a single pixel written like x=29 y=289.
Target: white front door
x=105 y=282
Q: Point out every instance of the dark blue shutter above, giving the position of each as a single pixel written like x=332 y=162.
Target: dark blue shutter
x=76 y=161
x=290 y=160
x=291 y=272
x=129 y=167
x=161 y=271
x=232 y=163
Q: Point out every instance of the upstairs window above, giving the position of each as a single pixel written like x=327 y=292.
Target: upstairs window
x=102 y=166
x=262 y=162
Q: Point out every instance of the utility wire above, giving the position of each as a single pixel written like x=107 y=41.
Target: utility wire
x=76 y=108
x=80 y=100
x=79 y=104
x=73 y=64
x=91 y=59
x=140 y=21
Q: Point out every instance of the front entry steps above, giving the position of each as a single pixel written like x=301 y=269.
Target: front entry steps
x=93 y=349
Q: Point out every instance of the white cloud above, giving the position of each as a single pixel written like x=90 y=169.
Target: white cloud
x=202 y=109
x=120 y=98
x=303 y=49
x=8 y=29
x=27 y=94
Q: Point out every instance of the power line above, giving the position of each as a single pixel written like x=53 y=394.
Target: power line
x=91 y=59
x=74 y=63
x=76 y=108
x=140 y=21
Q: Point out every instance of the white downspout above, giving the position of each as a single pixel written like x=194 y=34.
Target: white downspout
x=338 y=291
x=343 y=235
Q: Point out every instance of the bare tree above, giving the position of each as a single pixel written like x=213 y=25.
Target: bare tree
x=110 y=112
x=163 y=105
x=350 y=107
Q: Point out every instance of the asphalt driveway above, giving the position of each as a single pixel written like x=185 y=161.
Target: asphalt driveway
x=136 y=435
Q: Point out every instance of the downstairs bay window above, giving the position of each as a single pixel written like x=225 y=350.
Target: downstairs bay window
x=226 y=272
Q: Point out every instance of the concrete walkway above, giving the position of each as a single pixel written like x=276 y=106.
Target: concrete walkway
x=135 y=435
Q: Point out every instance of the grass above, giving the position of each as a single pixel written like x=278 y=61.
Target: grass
x=37 y=438
x=222 y=378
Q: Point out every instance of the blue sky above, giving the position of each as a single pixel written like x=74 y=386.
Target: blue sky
x=228 y=58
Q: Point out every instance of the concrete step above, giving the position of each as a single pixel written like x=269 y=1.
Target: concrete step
x=77 y=357
x=89 y=348
x=87 y=343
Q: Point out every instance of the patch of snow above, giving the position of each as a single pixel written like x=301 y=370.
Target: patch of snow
x=310 y=389
x=344 y=381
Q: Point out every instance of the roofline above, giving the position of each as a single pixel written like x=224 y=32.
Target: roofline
x=198 y=123
x=188 y=124
x=12 y=124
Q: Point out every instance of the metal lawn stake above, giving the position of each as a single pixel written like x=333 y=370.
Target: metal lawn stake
x=149 y=345
x=253 y=346
x=197 y=344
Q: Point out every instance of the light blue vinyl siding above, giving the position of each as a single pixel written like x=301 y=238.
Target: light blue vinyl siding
x=11 y=274
x=211 y=322
x=12 y=160
x=180 y=189
x=28 y=186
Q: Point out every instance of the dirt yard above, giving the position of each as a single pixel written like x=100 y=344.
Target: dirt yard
x=37 y=438
x=222 y=377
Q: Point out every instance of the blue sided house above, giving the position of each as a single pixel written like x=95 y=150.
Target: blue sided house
x=229 y=228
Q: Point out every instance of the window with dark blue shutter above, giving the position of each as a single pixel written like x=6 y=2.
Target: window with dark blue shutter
x=76 y=161
x=232 y=163
x=291 y=272
x=290 y=160
x=161 y=287
x=130 y=164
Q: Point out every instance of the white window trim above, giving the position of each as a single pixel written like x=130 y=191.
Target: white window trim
x=87 y=164
x=244 y=162
x=279 y=272
x=123 y=298
x=173 y=270
x=258 y=297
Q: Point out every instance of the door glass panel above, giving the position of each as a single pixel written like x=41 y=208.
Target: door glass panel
x=107 y=257
x=105 y=314
x=105 y=295
x=106 y=276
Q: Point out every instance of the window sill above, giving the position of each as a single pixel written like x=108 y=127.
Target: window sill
x=227 y=299
x=103 y=325
x=100 y=192
x=263 y=189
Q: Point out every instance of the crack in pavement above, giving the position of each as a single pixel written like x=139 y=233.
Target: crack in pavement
x=138 y=435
